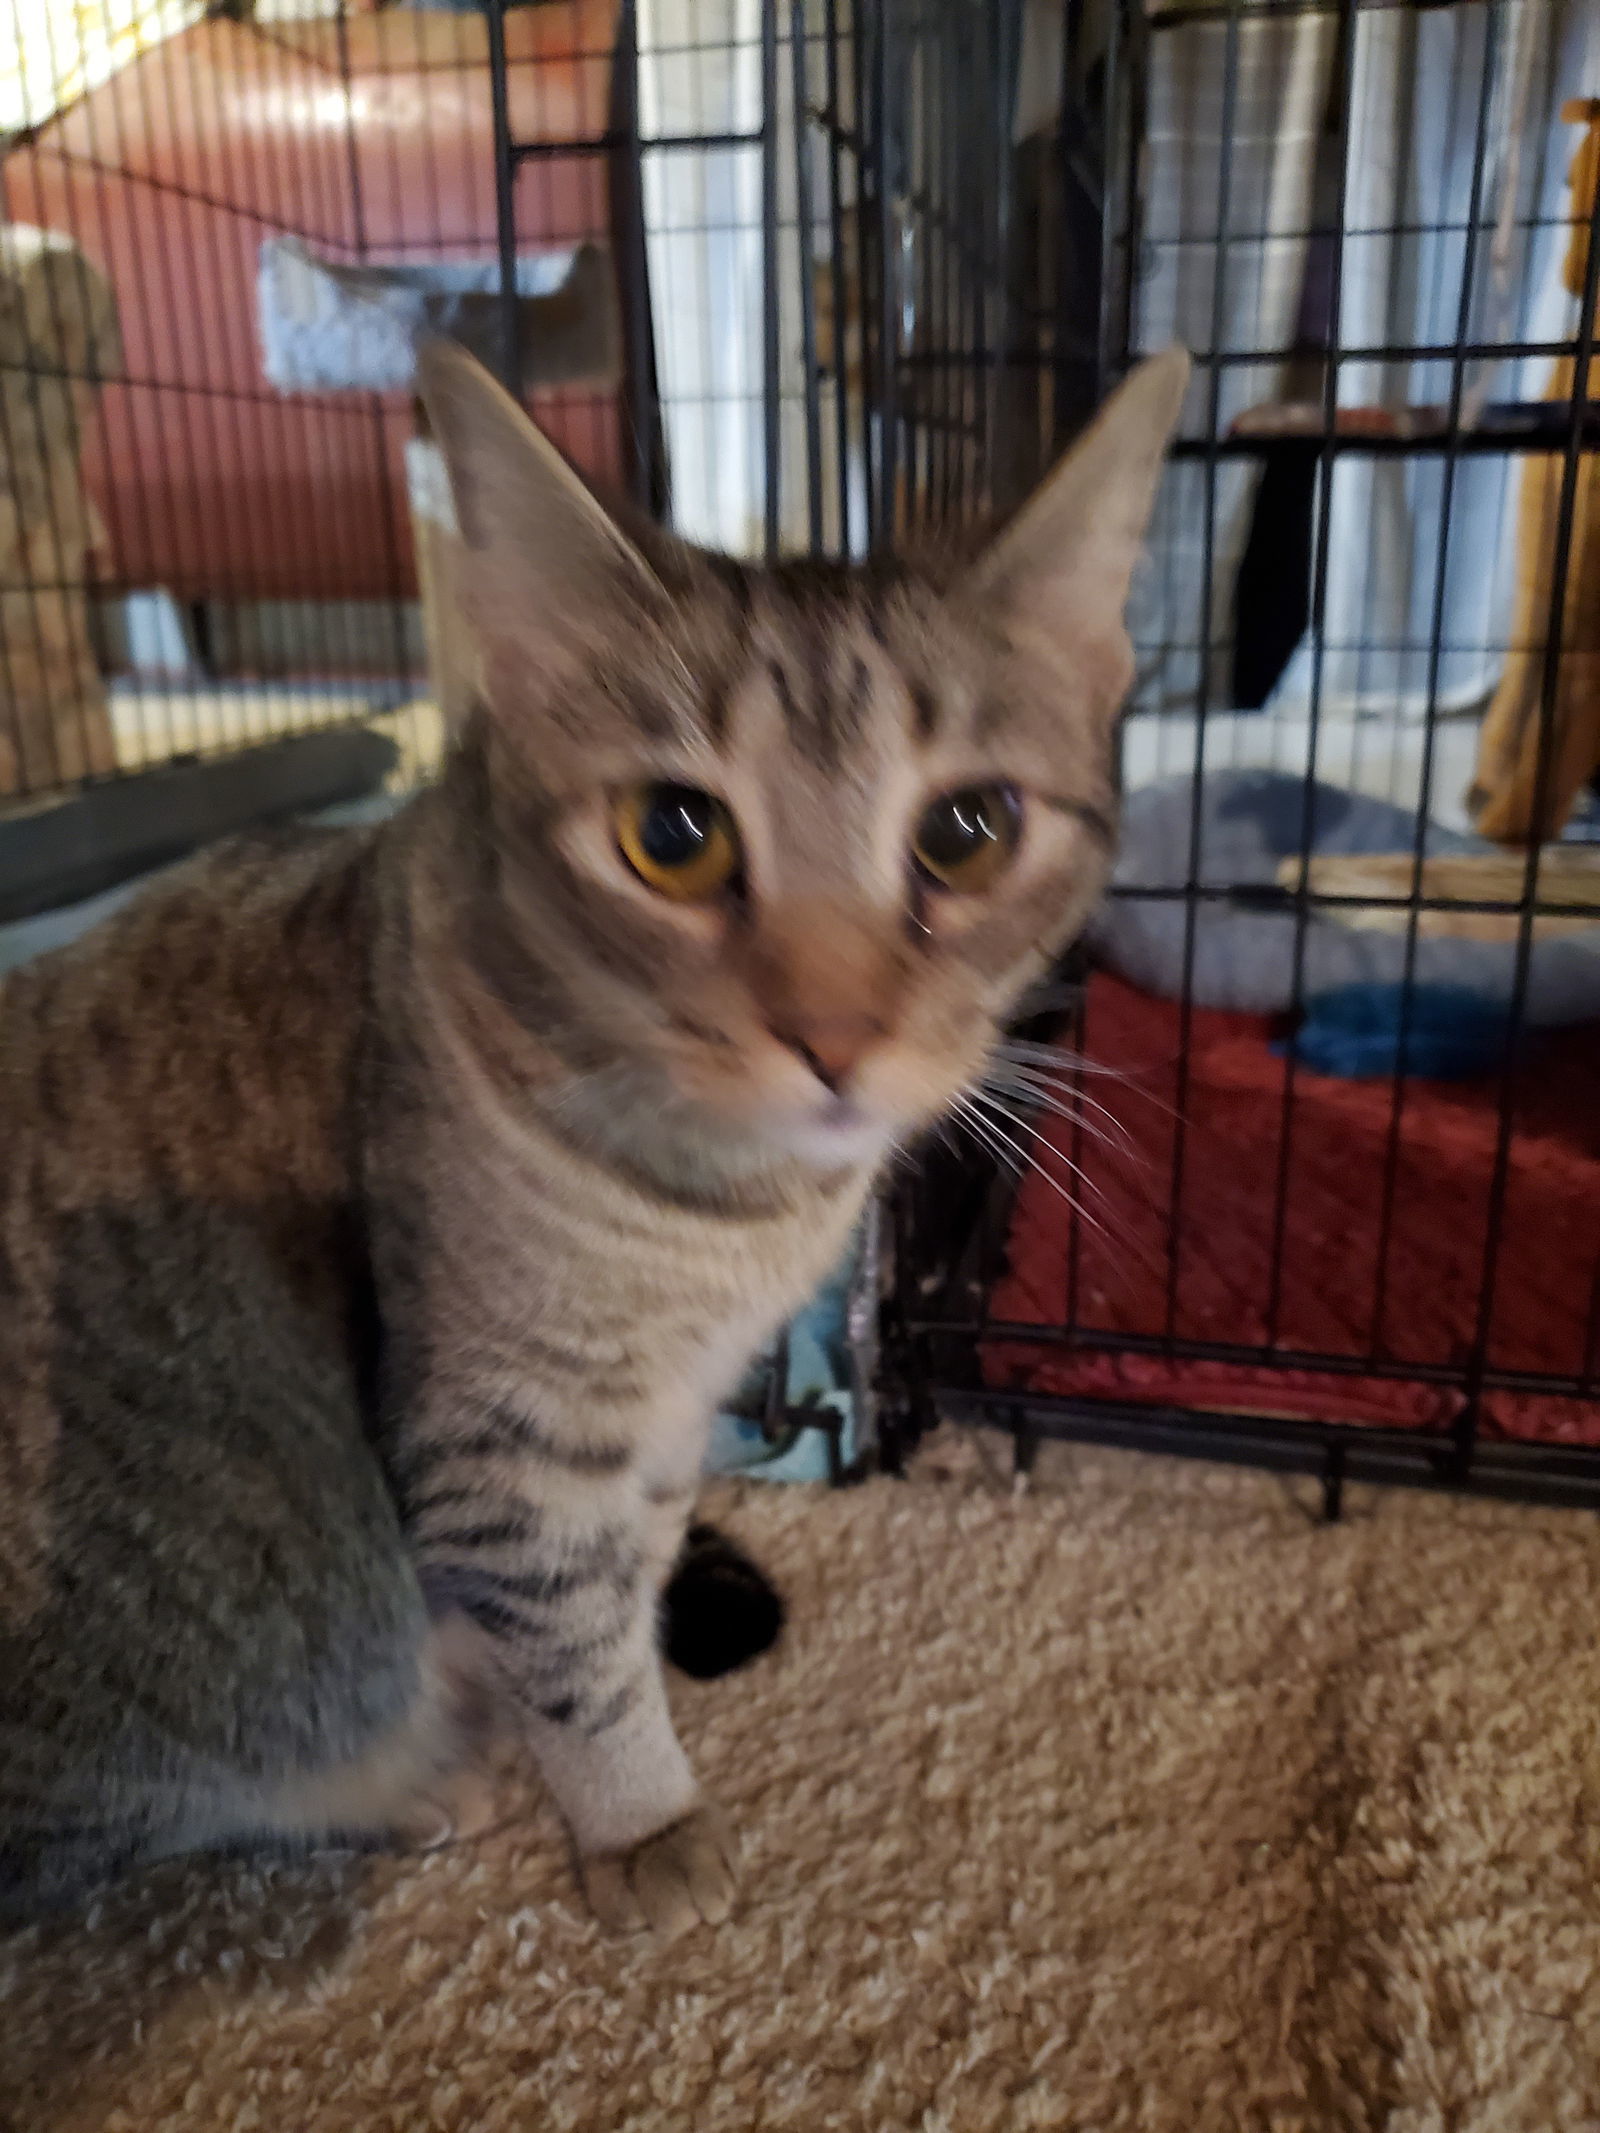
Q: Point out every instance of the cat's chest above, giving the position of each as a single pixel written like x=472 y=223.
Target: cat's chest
x=590 y=1294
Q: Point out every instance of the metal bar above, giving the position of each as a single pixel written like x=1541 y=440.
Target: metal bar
x=1395 y=351
x=1096 y=1340
x=597 y=143
x=1345 y=67
x=804 y=179
x=1173 y=17
x=1514 y=1472
x=1444 y=227
x=127 y=174
x=841 y=364
x=505 y=197
x=377 y=419
x=1208 y=588
x=869 y=175
x=1137 y=45
x=1488 y=440
x=1397 y=1098
x=888 y=321
x=1109 y=110
x=1549 y=684
x=939 y=397
x=627 y=221
x=772 y=405
x=1269 y=896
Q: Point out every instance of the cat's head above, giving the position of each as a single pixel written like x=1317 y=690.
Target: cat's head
x=776 y=850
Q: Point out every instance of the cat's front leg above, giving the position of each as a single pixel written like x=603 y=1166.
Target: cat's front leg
x=652 y=1850
x=560 y=1569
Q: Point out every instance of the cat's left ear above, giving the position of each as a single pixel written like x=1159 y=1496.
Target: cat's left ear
x=1059 y=574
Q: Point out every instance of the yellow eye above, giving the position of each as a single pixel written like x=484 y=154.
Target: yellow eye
x=678 y=840
x=966 y=839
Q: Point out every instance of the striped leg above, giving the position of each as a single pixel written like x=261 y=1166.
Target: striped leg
x=555 y=1552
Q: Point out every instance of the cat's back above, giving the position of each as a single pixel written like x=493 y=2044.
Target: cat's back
x=201 y=1041
x=201 y=1570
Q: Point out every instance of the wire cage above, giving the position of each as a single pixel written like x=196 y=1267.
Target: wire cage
x=1304 y=1174
x=216 y=217
x=1296 y=1160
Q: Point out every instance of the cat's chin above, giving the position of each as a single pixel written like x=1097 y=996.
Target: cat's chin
x=838 y=1136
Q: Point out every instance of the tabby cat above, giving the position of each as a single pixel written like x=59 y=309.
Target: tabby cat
x=383 y=1212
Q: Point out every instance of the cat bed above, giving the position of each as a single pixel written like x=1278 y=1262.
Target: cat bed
x=1108 y=1270
x=74 y=850
x=1244 y=940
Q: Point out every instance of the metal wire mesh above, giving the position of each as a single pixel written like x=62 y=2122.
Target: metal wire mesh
x=874 y=263
x=1357 y=216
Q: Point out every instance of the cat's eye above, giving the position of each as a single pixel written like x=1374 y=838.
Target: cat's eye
x=966 y=839
x=680 y=841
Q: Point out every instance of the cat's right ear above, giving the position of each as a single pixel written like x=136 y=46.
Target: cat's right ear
x=543 y=561
x=1060 y=573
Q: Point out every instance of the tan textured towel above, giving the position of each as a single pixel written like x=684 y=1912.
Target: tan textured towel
x=1145 y=1805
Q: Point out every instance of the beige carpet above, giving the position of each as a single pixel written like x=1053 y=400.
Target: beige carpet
x=1142 y=1803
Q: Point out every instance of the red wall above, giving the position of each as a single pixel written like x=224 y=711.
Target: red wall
x=211 y=483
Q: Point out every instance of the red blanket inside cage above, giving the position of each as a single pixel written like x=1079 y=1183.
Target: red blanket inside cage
x=1268 y=1222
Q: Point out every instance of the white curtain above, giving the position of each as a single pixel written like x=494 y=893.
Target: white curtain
x=701 y=73
x=1414 y=129
x=1243 y=174
x=1412 y=139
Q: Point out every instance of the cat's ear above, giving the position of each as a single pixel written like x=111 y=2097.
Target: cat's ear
x=542 y=555
x=1061 y=570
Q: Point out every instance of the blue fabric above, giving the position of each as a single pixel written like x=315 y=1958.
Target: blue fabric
x=1449 y=1033
x=819 y=1378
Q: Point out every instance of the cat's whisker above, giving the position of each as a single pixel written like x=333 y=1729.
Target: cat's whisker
x=904 y=1157
x=1026 y=1160
x=1065 y=1104
x=1058 y=1078
x=1082 y=1134
x=1065 y=1078
x=978 y=1126
x=1122 y=1236
x=1020 y=1077
x=1123 y=1231
x=1015 y=1122
x=1034 y=1108
x=1057 y=1063
x=1063 y=1069
x=1060 y=1068
x=1120 y=1240
x=1026 y=1051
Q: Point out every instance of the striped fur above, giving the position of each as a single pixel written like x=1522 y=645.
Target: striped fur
x=382 y=1214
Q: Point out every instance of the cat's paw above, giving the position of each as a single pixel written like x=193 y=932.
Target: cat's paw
x=457 y=1807
x=673 y=1880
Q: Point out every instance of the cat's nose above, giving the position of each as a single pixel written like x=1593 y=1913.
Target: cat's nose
x=832 y=1046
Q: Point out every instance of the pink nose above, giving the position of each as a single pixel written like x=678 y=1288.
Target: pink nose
x=833 y=1046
